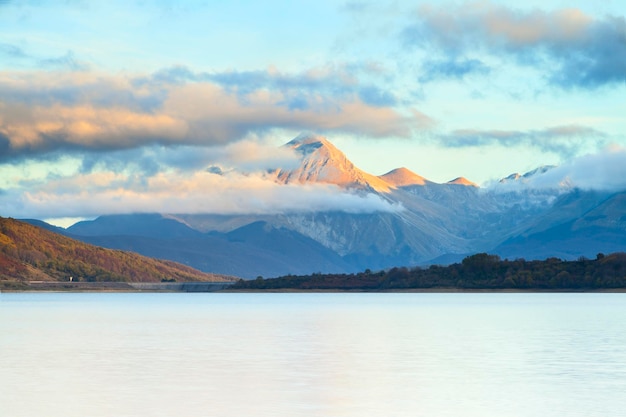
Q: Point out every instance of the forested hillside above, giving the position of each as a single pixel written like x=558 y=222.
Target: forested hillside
x=30 y=253
x=480 y=271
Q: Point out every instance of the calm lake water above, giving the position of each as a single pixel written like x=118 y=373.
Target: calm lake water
x=186 y=355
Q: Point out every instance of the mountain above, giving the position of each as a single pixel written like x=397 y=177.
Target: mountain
x=44 y=225
x=254 y=249
x=403 y=177
x=426 y=222
x=580 y=223
x=149 y=225
x=528 y=175
x=462 y=181
x=322 y=162
x=31 y=253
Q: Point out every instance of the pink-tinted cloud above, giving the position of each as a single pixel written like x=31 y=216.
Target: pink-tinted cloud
x=486 y=22
x=43 y=112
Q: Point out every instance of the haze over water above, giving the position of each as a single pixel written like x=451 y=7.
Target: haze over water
x=312 y=355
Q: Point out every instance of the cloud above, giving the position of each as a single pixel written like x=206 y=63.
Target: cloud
x=11 y=50
x=565 y=140
x=333 y=82
x=41 y=129
x=452 y=68
x=41 y=112
x=375 y=96
x=247 y=156
x=67 y=61
x=5 y=144
x=356 y=6
x=44 y=89
x=97 y=193
x=602 y=171
x=312 y=80
x=570 y=48
x=253 y=156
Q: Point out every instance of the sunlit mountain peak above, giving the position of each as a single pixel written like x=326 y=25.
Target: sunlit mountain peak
x=403 y=177
x=322 y=162
x=462 y=181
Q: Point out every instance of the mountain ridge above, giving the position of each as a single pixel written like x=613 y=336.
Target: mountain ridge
x=434 y=223
x=247 y=250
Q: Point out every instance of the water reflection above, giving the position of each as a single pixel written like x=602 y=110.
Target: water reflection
x=312 y=354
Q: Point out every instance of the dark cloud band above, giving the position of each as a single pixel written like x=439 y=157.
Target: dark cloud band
x=570 y=48
x=563 y=140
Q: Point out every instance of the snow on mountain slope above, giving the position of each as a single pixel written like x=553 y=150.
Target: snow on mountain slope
x=436 y=221
x=462 y=181
x=527 y=176
x=455 y=217
x=323 y=162
x=403 y=177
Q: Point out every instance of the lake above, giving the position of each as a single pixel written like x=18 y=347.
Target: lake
x=339 y=354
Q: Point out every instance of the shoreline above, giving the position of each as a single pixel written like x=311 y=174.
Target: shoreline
x=431 y=290
x=220 y=287
x=130 y=287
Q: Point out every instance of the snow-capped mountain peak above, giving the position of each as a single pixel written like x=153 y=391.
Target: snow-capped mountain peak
x=403 y=177
x=513 y=177
x=537 y=171
x=462 y=181
x=323 y=162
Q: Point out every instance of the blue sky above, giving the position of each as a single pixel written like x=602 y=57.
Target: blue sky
x=109 y=106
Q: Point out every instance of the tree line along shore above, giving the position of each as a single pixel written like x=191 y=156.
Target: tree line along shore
x=476 y=272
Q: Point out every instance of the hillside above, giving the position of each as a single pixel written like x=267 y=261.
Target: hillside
x=30 y=253
x=247 y=252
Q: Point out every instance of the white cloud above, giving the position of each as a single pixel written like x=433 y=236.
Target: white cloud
x=254 y=156
x=603 y=171
x=98 y=193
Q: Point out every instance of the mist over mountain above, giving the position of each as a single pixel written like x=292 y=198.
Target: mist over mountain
x=414 y=221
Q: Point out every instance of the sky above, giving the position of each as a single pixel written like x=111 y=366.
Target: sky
x=180 y=106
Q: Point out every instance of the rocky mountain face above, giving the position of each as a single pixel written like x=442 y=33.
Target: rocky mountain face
x=431 y=223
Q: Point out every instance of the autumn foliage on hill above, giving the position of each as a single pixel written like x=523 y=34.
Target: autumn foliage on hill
x=476 y=272
x=29 y=253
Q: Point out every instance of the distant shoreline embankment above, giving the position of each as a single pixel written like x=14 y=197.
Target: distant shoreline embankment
x=47 y=286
